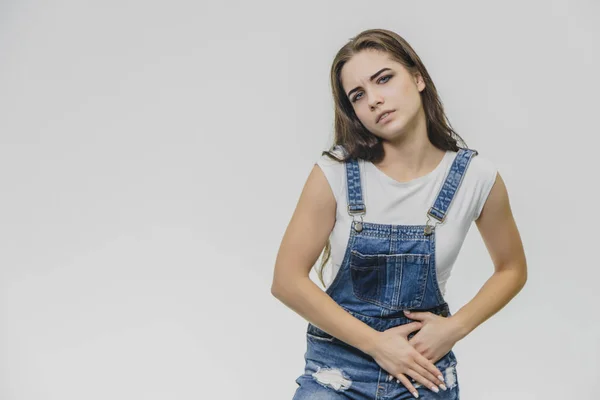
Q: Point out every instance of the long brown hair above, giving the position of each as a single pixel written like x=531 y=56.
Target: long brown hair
x=352 y=135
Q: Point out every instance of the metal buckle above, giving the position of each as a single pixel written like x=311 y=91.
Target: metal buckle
x=352 y=212
x=358 y=226
x=429 y=215
x=428 y=227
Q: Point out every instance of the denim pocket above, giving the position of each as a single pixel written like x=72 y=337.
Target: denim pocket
x=393 y=281
x=314 y=332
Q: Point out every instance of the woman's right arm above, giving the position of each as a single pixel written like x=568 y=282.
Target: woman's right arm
x=303 y=241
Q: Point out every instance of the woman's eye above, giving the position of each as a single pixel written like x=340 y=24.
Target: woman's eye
x=379 y=80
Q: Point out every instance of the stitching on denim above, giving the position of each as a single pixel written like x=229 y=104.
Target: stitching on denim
x=337 y=277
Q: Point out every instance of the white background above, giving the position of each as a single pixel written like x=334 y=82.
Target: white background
x=152 y=154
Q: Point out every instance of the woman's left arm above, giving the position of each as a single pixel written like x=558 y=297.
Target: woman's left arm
x=501 y=237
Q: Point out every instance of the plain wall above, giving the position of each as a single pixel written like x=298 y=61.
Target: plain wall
x=152 y=154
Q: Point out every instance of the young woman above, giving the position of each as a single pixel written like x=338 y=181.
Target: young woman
x=391 y=203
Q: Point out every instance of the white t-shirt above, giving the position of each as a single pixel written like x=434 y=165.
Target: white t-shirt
x=388 y=201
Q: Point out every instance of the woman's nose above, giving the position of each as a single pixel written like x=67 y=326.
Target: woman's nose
x=374 y=100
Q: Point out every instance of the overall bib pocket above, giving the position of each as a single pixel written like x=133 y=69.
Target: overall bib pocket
x=393 y=281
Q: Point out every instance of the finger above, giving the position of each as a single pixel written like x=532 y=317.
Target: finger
x=429 y=375
x=411 y=327
x=420 y=315
x=429 y=366
x=422 y=380
x=406 y=382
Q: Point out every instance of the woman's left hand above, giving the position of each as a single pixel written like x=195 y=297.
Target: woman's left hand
x=436 y=337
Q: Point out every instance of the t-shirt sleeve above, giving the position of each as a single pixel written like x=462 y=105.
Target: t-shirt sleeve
x=486 y=177
x=333 y=172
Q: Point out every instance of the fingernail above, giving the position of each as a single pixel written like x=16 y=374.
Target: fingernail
x=416 y=395
x=441 y=378
x=443 y=387
x=407 y=311
x=435 y=389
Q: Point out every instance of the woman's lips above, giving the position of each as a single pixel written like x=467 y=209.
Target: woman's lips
x=387 y=117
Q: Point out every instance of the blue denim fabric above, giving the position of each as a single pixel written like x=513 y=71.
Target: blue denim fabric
x=386 y=269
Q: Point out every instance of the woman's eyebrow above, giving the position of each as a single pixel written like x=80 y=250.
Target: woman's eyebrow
x=375 y=75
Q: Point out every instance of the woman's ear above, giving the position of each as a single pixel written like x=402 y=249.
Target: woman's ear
x=419 y=81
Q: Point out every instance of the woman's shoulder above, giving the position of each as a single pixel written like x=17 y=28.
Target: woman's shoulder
x=482 y=165
x=479 y=179
x=331 y=162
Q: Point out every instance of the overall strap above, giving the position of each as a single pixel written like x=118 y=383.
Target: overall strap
x=451 y=184
x=354 y=188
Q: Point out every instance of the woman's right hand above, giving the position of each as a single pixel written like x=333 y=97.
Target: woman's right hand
x=396 y=355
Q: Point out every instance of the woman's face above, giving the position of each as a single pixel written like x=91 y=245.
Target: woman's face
x=392 y=88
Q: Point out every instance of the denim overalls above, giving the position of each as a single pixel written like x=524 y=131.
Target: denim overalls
x=386 y=269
